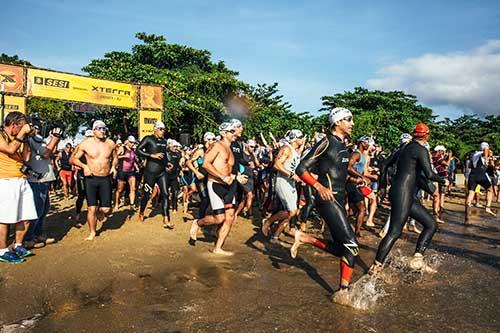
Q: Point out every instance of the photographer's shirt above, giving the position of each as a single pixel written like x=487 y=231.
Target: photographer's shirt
x=41 y=165
x=10 y=165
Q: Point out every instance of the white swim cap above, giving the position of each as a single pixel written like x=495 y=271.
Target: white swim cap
x=337 y=114
x=484 y=145
x=293 y=135
x=405 y=138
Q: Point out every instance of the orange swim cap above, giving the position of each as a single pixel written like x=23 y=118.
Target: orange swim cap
x=421 y=129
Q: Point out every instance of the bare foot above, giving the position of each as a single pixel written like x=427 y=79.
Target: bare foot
x=193 y=232
x=265 y=227
x=375 y=269
x=381 y=234
x=370 y=223
x=222 y=252
x=296 y=244
x=489 y=211
x=140 y=217
x=413 y=228
x=90 y=237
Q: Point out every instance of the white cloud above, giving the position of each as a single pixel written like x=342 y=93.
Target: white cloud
x=469 y=81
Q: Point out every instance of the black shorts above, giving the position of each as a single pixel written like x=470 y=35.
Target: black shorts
x=123 y=176
x=222 y=196
x=482 y=180
x=353 y=193
x=249 y=186
x=98 y=191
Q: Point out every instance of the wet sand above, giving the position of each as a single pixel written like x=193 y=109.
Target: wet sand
x=142 y=278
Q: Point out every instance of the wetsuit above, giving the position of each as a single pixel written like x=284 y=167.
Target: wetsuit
x=80 y=186
x=237 y=148
x=478 y=174
x=174 y=158
x=412 y=162
x=201 y=187
x=154 y=171
x=329 y=159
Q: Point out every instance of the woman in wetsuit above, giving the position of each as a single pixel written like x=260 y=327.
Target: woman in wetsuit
x=413 y=161
x=127 y=167
x=154 y=149
x=329 y=159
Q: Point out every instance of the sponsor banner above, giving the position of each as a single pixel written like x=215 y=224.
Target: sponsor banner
x=147 y=120
x=83 y=107
x=43 y=83
x=12 y=79
x=151 y=97
x=14 y=103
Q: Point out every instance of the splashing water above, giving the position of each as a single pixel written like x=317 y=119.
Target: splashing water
x=21 y=326
x=362 y=294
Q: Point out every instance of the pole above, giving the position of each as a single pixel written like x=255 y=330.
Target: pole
x=2 y=102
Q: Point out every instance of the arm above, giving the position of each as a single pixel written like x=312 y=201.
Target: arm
x=355 y=157
x=283 y=155
x=425 y=164
x=190 y=165
x=141 y=148
x=26 y=152
x=51 y=146
x=75 y=159
x=308 y=162
x=12 y=147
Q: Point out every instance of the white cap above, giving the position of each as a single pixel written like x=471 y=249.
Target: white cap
x=236 y=123
x=218 y=137
x=119 y=142
x=89 y=133
x=320 y=137
x=159 y=124
x=98 y=123
x=170 y=142
x=208 y=136
x=282 y=142
x=131 y=139
x=484 y=145
x=293 y=135
x=226 y=126
x=439 y=148
x=367 y=139
x=251 y=143
x=176 y=143
x=405 y=138
x=337 y=114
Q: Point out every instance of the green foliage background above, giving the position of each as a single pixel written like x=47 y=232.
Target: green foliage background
x=196 y=90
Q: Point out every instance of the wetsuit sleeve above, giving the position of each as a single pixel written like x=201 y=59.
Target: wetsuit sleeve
x=390 y=161
x=425 y=164
x=142 y=147
x=310 y=160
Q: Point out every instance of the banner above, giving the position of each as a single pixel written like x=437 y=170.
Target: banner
x=12 y=78
x=83 y=108
x=147 y=120
x=151 y=97
x=43 y=83
x=15 y=103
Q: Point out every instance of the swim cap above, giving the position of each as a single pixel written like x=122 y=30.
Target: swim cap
x=131 y=139
x=439 y=147
x=208 y=136
x=282 y=142
x=405 y=138
x=159 y=124
x=420 y=130
x=484 y=145
x=293 y=135
x=226 y=126
x=320 y=137
x=236 y=123
x=367 y=139
x=251 y=143
x=97 y=124
x=119 y=142
x=337 y=114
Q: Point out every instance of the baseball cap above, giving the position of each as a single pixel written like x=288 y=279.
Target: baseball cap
x=97 y=124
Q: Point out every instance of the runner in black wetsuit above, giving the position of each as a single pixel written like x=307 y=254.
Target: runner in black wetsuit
x=412 y=162
x=329 y=159
x=174 y=158
x=154 y=149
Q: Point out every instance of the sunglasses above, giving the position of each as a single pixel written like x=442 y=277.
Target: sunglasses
x=161 y=129
x=100 y=128
x=232 y=131
x=349 y=119
x=251 y=146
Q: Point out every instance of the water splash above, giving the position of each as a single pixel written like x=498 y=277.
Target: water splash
x=362 y=294
x=22 y=325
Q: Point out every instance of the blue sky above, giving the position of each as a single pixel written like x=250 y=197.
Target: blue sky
x=311 y=48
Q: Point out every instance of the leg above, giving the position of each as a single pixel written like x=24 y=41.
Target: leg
x=119 y=190
x=147 y=190
x=419 y=213
x=224 y=232
x=131 y=184
x=92 y=221
x=163 y=184
x=373 y=209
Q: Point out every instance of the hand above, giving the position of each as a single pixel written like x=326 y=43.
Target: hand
x=56 y=132
x=157 y=156
x=297 y=178
x=113 y=172
x=228 y=179
x=242 y=179
x=26 y=129
x=324 y=193
x=86 y=171
x=199 y=175
x=169 y=167
x=381 y=194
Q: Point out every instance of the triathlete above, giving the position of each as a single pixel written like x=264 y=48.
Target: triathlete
x=219 y=162
x=285 y=164
x=65 y=169
x=250 y=164
x=154 y=149
x=195 y=164
x=188 y=185
x=101 y=163
x=174 y=158
x=127 y=167
x=478 y=178
x=413 y=161
x=80 y=186
x=329 y=159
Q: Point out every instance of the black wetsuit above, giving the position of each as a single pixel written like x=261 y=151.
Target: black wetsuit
x=237 y=148
x=174 y=159
x=329 y=159
x=154 y=171
x=478 y=174
x=201 y=187
x=413 y=161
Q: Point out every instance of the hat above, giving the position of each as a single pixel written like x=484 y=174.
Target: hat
x=337 y=114
x=159 y=124
x=421 y=129
x=282 y=142
x=208 y=136
x=367 y=139
x=119 y=142
x=236 y=123
x=89 y=133
x=131 y=139
x=226 y=126
x=484 y=145
x=293 y=135
x=251 y=143
x=439 y=148
x=405 y=138
x=97 y=124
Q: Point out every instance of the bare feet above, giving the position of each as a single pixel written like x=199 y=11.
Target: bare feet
x=489 y=211
x=141 y=217
x=193 y=233
x=296 y=244
x=370 y=223
x=168 y=226
x=265 y=227
x=222 y=252
x=413 y=228
x=375 y=269
x=381 y=234
x=90 y=237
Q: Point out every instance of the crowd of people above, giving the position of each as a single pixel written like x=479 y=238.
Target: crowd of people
x=340 y=180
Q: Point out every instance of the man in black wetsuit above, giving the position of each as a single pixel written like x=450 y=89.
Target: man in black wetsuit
x=329 y=159
x=413 y=161
x=154 y=149
x=174 y=158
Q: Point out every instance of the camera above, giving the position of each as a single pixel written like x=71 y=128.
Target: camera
x=45 y=127
x=28 y=171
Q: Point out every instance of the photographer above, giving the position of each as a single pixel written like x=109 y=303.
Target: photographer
x=40 y=175
x=17 y=196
